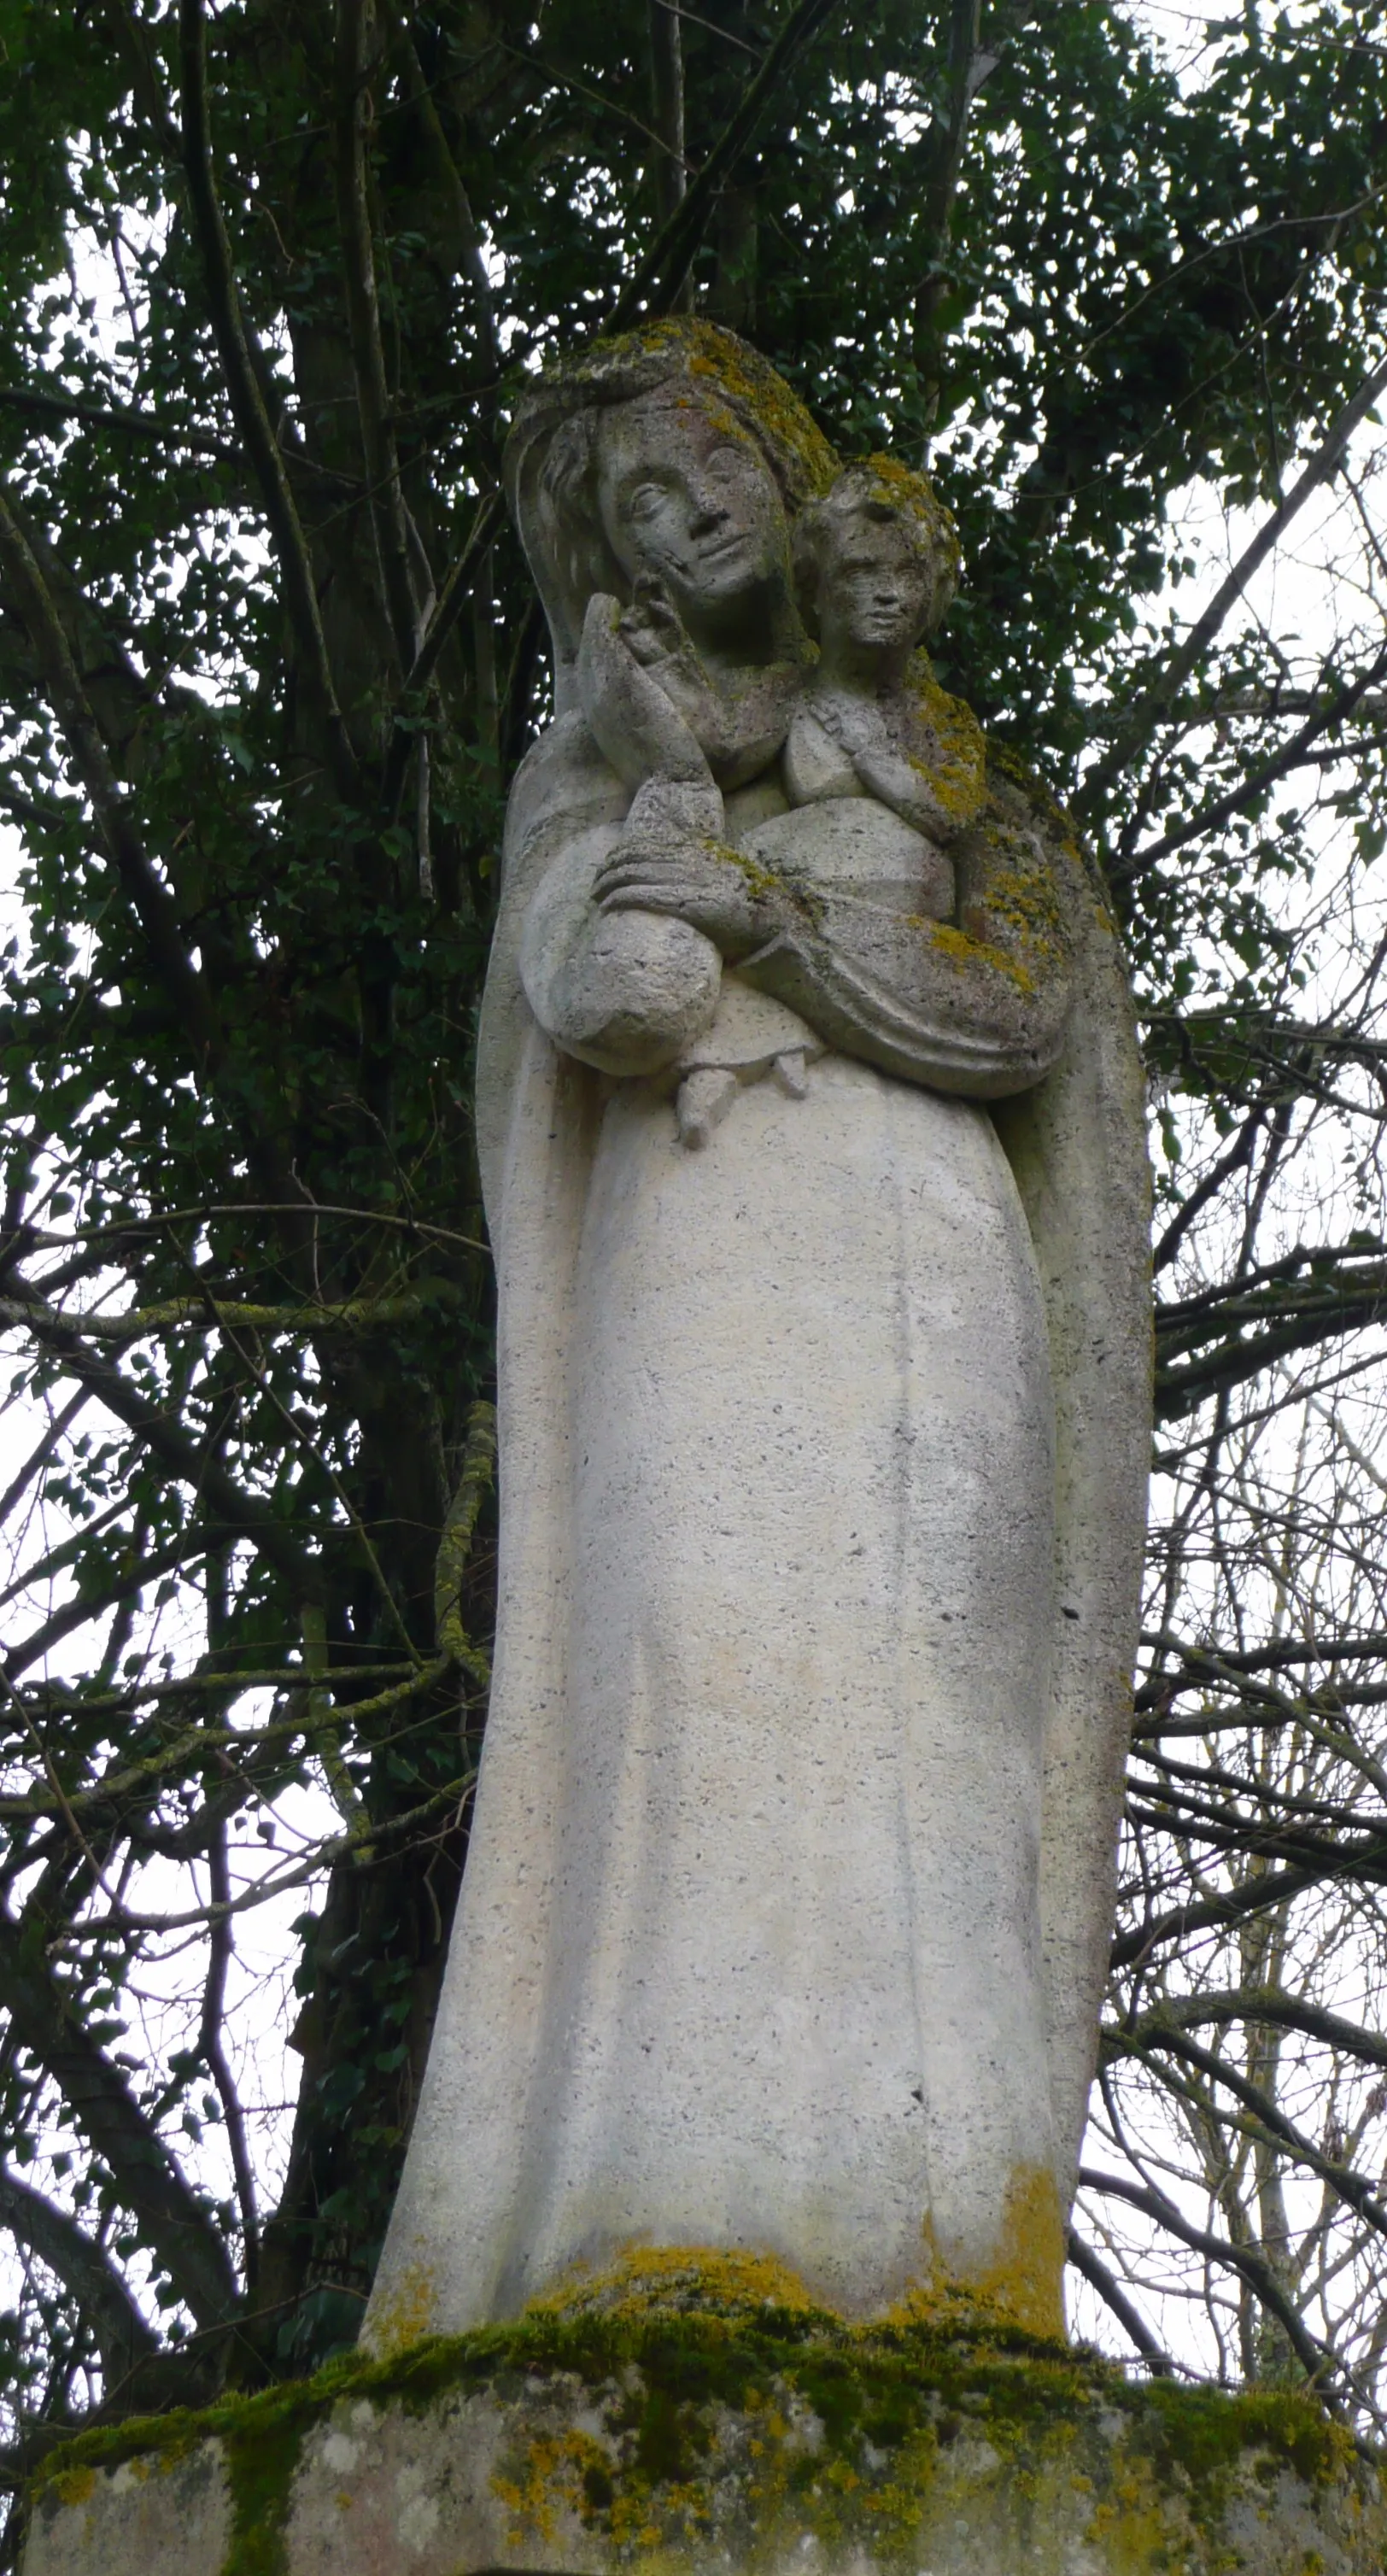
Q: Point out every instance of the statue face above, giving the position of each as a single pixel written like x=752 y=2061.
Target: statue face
x=690 y=500
x=876 y=587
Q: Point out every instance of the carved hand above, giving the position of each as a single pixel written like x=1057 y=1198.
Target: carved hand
x=734 y=903
x=641 y=732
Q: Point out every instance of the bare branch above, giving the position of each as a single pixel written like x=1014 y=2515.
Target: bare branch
x=86 y=2271
x=180 y=2229
x=1260 y=1894
x=1315 y=2358
x=969 y=62
x=1257 y=780
x=1253 y=2004
x=660 y=275
x=213 y=2052
x=131 y=424
x=1156 y=700
x=667 y=106
x=468 y=229
x=450 y=603
x=167 y=1441
x=1279 y=2132
x=1238 y=1156
x=1095 y=2271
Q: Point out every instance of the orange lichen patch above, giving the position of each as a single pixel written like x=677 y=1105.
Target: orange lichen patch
x=406 y=2315
x=679 y=2279
x=1022 y=2284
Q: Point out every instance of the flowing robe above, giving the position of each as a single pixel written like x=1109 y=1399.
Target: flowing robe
x=819 y=1529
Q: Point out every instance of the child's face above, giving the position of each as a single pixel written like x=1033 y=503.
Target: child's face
x=876 y=586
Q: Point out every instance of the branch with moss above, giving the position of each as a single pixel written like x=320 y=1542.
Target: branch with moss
x=176 y=2224
x=175 y=1314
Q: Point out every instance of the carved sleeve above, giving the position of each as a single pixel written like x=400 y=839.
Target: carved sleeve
x=978 y=1008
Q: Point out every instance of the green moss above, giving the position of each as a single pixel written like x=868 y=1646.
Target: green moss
x=892 y=2401
x=1206 y=2433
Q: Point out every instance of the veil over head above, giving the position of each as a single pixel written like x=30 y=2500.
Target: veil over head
x=551 y=454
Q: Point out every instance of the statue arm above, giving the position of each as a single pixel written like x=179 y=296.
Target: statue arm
x=979 y=1009
x=625 y=992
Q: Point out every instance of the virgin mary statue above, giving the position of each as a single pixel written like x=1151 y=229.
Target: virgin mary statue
x=811 y=1123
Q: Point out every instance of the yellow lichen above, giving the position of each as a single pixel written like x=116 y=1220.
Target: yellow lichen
x=956 y=766
x=550 y=2479
x=1024 y=2281
x=1028 y=900
x=405 y=2314
x=962 y=952
x=906 y=489
x=647 y=2278
x=73 y=2486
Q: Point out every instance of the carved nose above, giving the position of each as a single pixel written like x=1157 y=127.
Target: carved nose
x=708 y=513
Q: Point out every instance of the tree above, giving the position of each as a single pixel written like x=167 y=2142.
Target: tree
x=270 y=655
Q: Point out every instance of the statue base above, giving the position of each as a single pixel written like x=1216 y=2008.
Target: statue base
x=657 y=2426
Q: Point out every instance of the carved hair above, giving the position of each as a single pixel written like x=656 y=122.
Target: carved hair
x=911 y=498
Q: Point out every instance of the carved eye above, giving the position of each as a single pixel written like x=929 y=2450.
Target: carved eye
x=644 y=501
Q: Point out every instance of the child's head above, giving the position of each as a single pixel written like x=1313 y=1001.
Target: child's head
x=876 y=561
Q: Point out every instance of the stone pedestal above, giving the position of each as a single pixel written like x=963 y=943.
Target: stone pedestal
x=661 y=2425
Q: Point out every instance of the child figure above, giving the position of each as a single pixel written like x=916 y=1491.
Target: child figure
x=876 y=565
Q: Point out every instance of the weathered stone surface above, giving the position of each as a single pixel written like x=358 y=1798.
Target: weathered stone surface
x=760 y=2440
x=811 y=1125
x=153 y=2512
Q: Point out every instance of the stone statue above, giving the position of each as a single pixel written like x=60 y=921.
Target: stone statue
x=812 y=1137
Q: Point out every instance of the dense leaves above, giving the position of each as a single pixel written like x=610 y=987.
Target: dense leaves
x=268 y=283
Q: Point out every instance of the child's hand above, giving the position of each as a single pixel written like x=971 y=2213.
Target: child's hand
x=632 y=718
x=651 y=626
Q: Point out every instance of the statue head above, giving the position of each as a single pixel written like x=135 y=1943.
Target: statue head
x=674 y=455
x=876 y=561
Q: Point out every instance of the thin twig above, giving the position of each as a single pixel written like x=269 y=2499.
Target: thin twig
x=659 y=276
x=1156 y=699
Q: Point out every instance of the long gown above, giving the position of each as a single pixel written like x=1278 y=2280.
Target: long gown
x=748 y=1953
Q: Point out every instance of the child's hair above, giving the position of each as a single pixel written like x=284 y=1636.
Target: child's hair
x=910 y=497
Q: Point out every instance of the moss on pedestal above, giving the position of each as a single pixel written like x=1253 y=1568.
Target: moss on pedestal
x=717 y=2389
